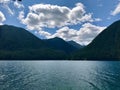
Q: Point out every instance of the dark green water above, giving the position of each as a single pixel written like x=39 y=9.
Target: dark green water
x=59 y=75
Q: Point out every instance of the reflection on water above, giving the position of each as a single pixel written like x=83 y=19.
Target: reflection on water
x=59 y=75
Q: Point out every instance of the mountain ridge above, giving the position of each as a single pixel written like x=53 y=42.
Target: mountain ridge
x=18 y=43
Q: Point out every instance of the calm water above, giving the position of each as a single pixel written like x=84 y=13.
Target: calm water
x=59 y=75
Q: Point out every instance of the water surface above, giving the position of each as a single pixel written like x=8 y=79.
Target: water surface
x=59 y=75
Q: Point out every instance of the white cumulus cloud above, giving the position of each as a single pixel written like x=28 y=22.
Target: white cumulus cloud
x=21 y=15
x=2 y=17
x=51 y=16
x=18 y=5
x=116 y=10
x=83 y=36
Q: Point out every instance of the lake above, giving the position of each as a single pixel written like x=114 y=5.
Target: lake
x=59 y=75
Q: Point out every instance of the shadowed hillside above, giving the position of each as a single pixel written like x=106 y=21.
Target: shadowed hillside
x=17 y=43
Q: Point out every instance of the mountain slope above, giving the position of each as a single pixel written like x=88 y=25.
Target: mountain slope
x=17 y=43
x=105 y=46
x=73 y=43
x=60 y=44
x=13 y=38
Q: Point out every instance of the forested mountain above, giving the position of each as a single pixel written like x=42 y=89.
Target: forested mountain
x=18 y=43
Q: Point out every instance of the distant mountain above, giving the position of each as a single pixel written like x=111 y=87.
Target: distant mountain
x=60 y=44
x=18 y=43
x=73 y=43
x=106 y=46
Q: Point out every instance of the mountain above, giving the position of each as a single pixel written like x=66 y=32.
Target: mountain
x=60 y=44
x=18 y=43
x=13 y=38
x=73 y=43
x=106 y=46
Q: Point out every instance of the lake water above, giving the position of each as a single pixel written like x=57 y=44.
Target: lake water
x=59 y=75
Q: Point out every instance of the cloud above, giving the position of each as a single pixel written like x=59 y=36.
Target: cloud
x=39 y=31
x=88 y=32
x=51 y=16
x=83 y=36
x=4 y=1
x=66 y=33
x=97 y=19
x=2 y=17
x=21 y=15
x=116 y=10
x=44 y=33
x=6 y=4
x=11 y=12
x=18 y=5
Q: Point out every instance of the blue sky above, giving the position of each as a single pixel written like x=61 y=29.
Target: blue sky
x=78 y=20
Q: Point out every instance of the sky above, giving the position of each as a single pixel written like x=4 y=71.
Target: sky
x=77 y=20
